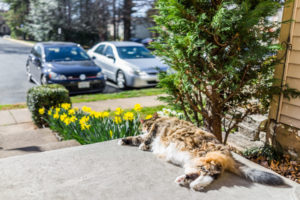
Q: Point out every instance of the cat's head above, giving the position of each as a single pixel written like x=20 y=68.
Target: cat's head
x=147 y=123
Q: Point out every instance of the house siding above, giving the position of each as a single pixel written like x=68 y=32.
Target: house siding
x=287 y=111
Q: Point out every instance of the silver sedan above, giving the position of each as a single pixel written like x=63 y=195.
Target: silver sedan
x=129 y=64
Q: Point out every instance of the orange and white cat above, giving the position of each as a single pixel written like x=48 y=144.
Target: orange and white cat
x=201 y=155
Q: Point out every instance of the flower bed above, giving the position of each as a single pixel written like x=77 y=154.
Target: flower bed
x=88 y=126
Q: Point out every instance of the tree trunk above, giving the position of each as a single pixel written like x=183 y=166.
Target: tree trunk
x=217 y=127
x=127 y=10
x=114 y=19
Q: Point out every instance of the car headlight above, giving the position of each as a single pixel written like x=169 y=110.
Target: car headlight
x=139 y=73
x=99 y=74
x=55 y=76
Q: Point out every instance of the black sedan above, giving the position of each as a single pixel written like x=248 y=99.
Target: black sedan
x=66 y=64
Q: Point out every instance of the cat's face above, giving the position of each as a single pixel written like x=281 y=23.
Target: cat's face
x=146 y=125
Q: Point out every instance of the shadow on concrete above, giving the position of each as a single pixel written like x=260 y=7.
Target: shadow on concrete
x=27 y=149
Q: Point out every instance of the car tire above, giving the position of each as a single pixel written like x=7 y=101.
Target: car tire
x=121 y=80
x=29 y=76
x=43 y=80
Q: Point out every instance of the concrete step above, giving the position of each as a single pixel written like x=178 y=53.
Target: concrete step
x=17 y=128
x=38 y=148
x=255 y=119
x=247 y=130
x=107 y=171
x=26 y=138
x=242 y=142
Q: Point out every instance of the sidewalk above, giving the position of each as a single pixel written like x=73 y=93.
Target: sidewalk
x=17 y=116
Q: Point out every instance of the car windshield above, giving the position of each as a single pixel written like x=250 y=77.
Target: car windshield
x=134 y=52
x=65 y=53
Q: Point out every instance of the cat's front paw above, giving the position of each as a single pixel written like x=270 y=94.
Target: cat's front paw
x=182 y=181
x=144 y=147
x=121 y=142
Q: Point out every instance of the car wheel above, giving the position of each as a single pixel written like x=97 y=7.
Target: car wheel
x=29 y=76
x=121 y=81
x=44 y=80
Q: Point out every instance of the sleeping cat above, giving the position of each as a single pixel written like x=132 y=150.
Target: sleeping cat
x=201 y=155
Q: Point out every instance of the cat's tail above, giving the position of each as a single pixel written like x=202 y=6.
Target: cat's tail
x=258 y=176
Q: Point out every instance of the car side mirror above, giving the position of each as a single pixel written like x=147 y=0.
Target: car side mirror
x=110 y=56
x=37 y=61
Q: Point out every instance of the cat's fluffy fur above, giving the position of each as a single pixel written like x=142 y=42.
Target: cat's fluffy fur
x=201 y=155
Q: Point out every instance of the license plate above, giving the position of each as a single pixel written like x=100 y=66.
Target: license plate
x=84 y=84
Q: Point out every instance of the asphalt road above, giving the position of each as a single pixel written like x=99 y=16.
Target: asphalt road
x=13 y=79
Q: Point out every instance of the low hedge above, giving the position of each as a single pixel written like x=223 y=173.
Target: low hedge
x=41 y=98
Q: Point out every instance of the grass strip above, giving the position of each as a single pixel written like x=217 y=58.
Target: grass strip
x=120 y=95
x=12 y=106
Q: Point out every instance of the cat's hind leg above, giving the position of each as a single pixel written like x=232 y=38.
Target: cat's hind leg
x=201 y=182
x=131 y=140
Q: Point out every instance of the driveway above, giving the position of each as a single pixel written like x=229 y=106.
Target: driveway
x=13 y=79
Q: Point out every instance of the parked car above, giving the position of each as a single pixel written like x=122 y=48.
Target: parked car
x=129 y=64
x=66 y=64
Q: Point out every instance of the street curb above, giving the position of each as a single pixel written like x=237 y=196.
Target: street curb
x=20 y=42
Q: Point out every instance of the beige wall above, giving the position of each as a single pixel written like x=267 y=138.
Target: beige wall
x=283 y=110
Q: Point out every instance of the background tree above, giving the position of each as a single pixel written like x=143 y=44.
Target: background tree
x=15 y=17
x=221 y=52
x=42 y=21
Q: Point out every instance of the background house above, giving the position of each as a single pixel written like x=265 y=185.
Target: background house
x=4 y=29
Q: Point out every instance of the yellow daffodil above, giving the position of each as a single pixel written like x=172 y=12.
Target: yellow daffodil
x=117 y=120
x=105 y=114
x=85 y=126
x=86 y=109
x=67 y=121
x=56 y=116
x=63 y=117
x=73 y=119
x=84 y=120
x=148 y=117
x=76 y=109
x=50 y=112
x=42 y=111
x=57 y=109
x=66 y=106
x=71 y=112
x=129 y=116
x=97 y=115
x=137 y=107
x=111 y=133
x=119 y=111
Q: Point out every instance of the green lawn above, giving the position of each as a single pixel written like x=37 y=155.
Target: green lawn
x=149 y=110
x=120 y=95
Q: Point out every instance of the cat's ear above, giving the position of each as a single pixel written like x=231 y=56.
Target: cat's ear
x=142 y=121
x=155 y=116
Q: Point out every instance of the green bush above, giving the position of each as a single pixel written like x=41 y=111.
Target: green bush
x=267 y=152
x=41 y=98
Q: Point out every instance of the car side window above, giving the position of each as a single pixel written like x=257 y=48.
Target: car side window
x=37 y=51
x=100 y=49
x=109 y=51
